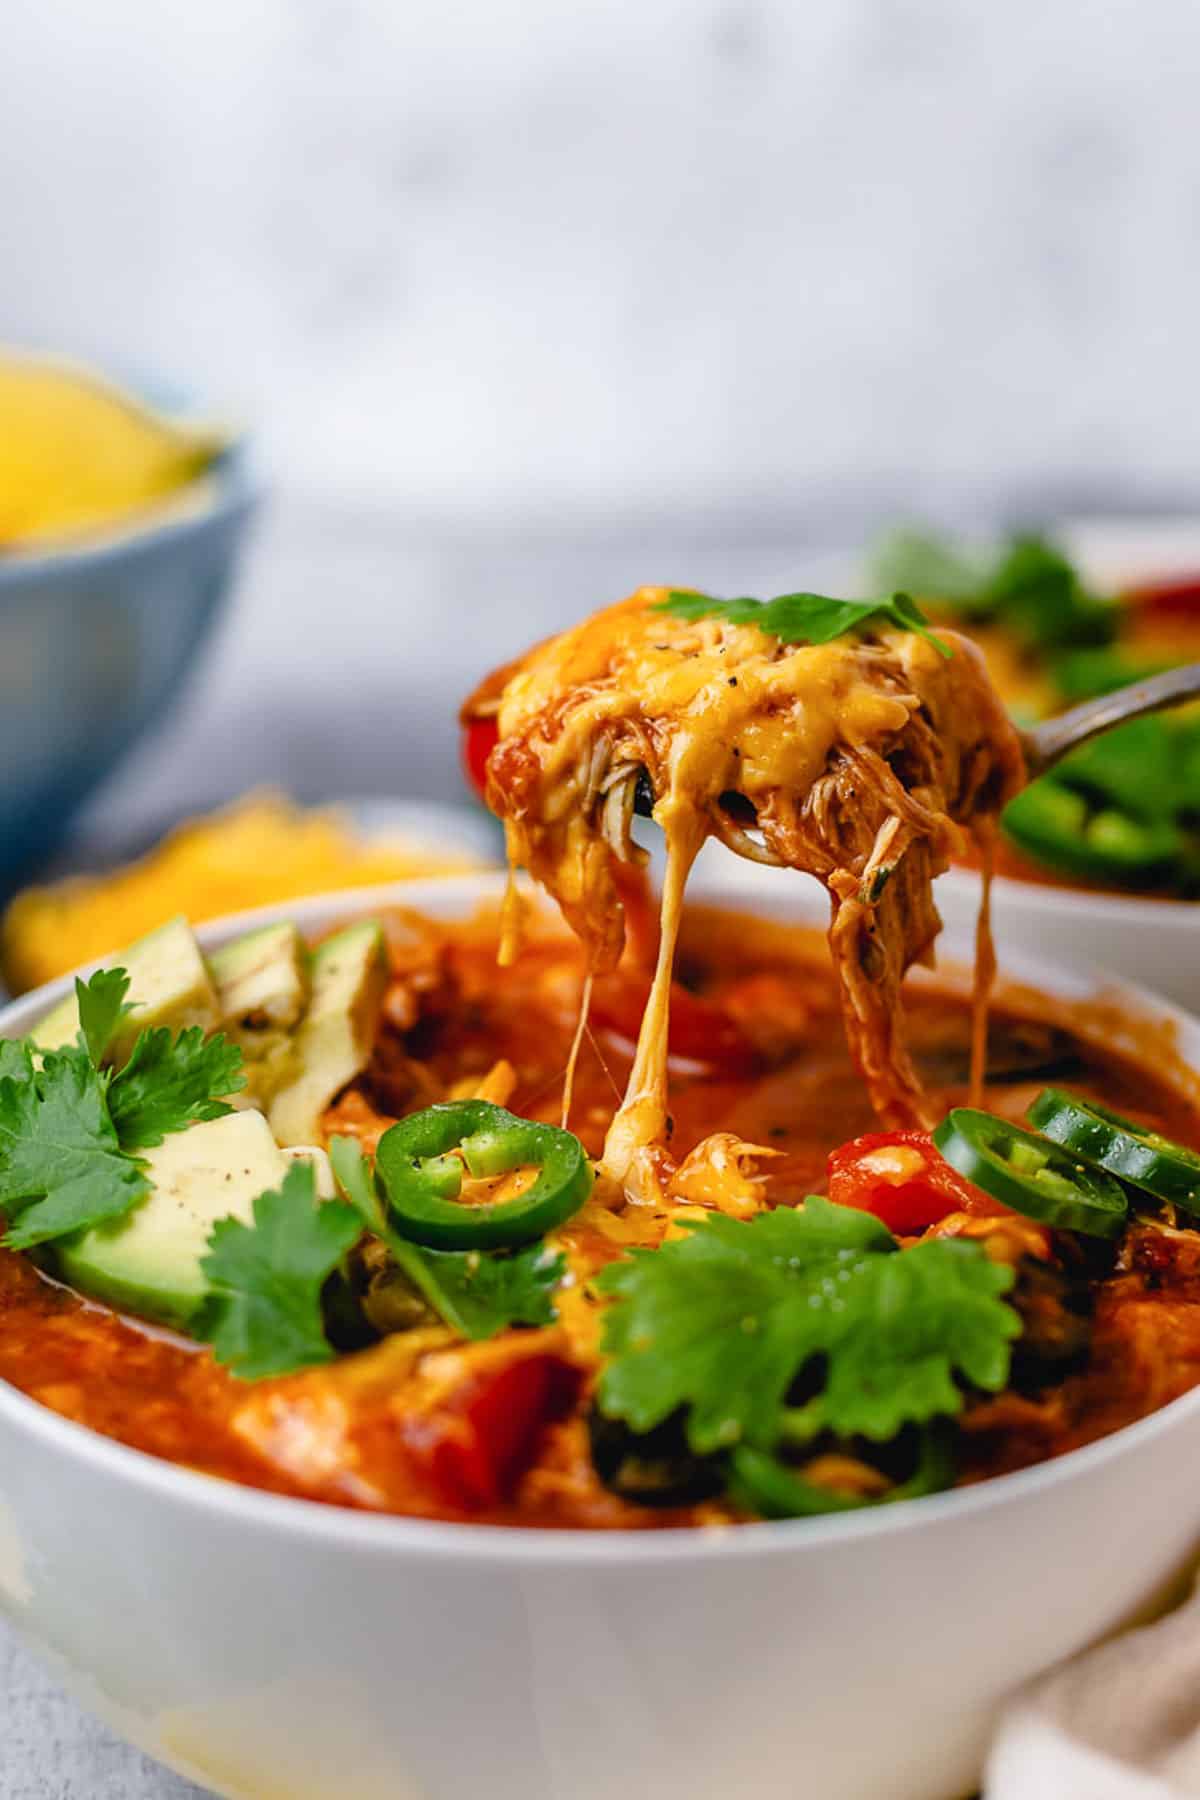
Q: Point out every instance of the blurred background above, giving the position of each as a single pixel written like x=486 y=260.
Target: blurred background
x=526 y=304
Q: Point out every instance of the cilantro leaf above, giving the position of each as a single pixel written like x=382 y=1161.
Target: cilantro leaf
x=61 y=1167
x=721 y=1323
x=169 y=1083
x=101 y=1002
x=264 y=1316
x=482 y=1292
x=920 y=1318
x=477 y=1293
x=69 y=1130
x=806 y=618
x=16 y=1059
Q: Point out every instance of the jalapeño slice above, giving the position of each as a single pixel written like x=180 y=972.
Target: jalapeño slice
x=1030 y=1174
x=1107 y=1140
x=422 y=1176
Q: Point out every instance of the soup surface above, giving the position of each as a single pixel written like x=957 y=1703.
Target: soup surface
x=505 y=1430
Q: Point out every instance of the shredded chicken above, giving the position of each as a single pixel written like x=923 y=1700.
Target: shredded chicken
x=856 y=761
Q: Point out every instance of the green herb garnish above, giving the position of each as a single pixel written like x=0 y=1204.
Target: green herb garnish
x=15 y=1059
x=70 y=1129
x=170 y=1083
x=101 y=1003
x=264 y=1314
x=722 y=1324
x=805 y=618
x=475 y=1292
x=61 y=1164
x=480 y=1293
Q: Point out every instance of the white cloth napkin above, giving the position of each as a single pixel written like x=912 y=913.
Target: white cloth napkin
x=1121 y=1722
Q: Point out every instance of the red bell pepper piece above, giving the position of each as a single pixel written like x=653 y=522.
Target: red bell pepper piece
x=903 y=1179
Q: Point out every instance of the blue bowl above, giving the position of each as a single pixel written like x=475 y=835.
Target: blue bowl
x=95 y=643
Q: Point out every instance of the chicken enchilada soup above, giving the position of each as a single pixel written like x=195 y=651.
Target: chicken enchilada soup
x=680 y=1220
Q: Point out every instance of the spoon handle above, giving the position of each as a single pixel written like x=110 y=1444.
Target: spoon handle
x=1046 y=743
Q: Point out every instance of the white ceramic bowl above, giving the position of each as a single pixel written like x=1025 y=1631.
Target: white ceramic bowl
x=268 y=1647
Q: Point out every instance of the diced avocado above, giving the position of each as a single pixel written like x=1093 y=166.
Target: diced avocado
x=262 y=979
x=268 y=1062
x=149 y=1261
x=168 y=985
x=334 y=1041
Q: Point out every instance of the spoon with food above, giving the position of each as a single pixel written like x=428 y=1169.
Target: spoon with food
x=843 y=738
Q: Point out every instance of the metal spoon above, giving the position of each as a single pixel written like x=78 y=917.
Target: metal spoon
x=1049 y=742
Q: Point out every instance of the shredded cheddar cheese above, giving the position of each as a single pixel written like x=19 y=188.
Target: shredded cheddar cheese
x=261 y=850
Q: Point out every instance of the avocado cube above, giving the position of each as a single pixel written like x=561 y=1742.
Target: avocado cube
x=333 y=1042
x=149 y=1261
x=262 y=978
x=168 y=985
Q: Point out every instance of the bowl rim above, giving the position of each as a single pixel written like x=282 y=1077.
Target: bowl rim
x=389 y=1534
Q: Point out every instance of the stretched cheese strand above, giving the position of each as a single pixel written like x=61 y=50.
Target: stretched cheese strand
x=984 y=833
x=585 y=1006
x=642 y=1118
x=512 y=912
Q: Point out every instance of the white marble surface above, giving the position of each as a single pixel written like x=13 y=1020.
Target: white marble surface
x=49 y=1750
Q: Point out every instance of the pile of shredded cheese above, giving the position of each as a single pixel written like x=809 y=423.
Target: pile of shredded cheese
x=262 y=850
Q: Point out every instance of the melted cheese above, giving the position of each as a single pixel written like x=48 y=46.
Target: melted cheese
x=856 y=760
x=641 y=1118
x=717 y=704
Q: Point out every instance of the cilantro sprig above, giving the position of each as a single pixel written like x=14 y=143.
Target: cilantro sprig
x=806 y=618
x=71 y=1129
x=102 y=1006
x=263 y=1316
x=172 y=1082
x=61 y=1163
x=477 y=1293
x=719 y=1327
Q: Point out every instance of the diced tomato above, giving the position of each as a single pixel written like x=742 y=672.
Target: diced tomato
x=700 y=1030
x=477 y=1445
x=903 y=1179
x=1179 y=595
x=480 y=737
